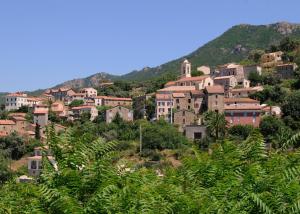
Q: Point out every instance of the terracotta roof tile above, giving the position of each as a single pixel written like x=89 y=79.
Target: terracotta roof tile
x=216 y=89
x=199 y=78
x=240 y=100
x=7 y=122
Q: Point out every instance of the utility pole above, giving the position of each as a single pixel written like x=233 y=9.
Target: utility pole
x=141 y=140
x=171 y=104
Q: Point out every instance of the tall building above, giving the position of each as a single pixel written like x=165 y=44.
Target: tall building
x=186 y=68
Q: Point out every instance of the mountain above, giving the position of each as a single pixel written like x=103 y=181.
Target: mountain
x=233 y=45
x=91 y=81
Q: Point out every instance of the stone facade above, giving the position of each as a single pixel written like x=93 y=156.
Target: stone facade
x=195 y=132
x=214 y=98
x=183 y=118
x=125 y=113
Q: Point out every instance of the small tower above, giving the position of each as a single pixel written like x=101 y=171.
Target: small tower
x=186 y=67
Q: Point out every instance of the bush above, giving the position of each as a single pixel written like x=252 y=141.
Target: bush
x=161 y=135
x=241 y=131
x=269 y=126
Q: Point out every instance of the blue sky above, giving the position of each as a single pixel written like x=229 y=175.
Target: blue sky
x=43 y=43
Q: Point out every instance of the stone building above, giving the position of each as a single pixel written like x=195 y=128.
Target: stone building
x=244 y=92
x=182 y=118
x=112 y=101
x=214 y=98
x=228 y=82
x=286 y=71
x=125 y=113
x=89 y=92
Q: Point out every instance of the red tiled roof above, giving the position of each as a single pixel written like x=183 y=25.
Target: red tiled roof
x=243 y=107
x=199 y=78
x=7 y=122
x=163 y=96
x=240 y=100
x=19 y=118
x=223 y=77
x=114 y=98
x=216 y=89
x=178 y=95
x=82 y=107
x=3 y=134
x=258 y=88
x=178 y=89
x=17 y=94
x=17 y=114
x=40 y=111
x=170 y=83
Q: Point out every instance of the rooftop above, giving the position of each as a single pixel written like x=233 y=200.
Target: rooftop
x=257 y=88
x=7 y=122
x=223 y=77
x=114 y=98
x=242 y=107
x=240 y=100
x=199 y=78
x=216 y=89
x=178 y=89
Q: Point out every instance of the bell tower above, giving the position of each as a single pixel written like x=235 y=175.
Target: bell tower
x=186 y=67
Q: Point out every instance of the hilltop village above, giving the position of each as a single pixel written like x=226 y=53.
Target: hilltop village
x=205 y=139
x=182 y=103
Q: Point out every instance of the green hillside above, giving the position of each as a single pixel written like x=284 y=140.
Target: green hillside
x=232 y=46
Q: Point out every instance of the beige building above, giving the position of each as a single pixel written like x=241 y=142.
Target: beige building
x=14 y=101
x=89 y=92
x=112 y=101
x=40 y=115
x=7 y=127
x=59 y=109
x=269 y=60
x=79 y=110
x=125 y=113
x=214 y=98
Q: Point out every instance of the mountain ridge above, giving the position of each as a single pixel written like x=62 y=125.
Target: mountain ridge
x=233 y=45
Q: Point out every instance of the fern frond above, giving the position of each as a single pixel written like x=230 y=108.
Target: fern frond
x=260 y=204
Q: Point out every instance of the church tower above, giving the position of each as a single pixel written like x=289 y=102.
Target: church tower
x=186 y=68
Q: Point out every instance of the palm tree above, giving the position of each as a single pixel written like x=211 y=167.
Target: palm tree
x=215 y=124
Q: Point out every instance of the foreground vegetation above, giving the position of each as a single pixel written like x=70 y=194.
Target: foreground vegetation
x=92 y=177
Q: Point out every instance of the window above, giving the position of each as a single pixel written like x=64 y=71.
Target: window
x=216 y=96
x=197 y=135
x=183 y=121
x=189 y=107
x=33 y=164
x=183 y=113
x=189 y=100
x=177 y=100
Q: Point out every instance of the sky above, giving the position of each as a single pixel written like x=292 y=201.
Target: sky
x=44 y=43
